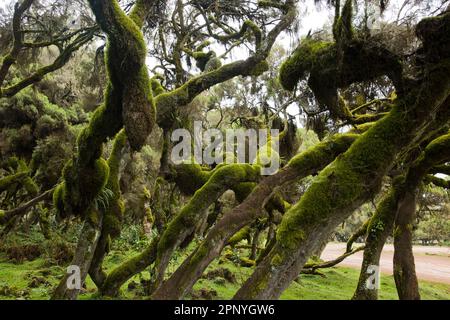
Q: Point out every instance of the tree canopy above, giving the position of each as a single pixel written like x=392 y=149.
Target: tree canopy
x=92 y=92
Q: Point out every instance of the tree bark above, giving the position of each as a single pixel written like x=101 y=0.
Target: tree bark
x=378 y=230
x=84 y=253
x=404 y=267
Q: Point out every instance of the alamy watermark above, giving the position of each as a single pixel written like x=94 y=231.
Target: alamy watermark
x=373 y=280
x=212 y=146
x=73 y=277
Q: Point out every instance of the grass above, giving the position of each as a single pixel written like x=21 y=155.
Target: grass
x=16 y=281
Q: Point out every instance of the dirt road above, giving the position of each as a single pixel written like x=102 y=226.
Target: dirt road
x=432 y=263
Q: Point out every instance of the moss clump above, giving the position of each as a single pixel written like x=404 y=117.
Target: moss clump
x=242 y=190
x=242 y=234
x=324 y=152
x=438 y=148
x=58 y=198
x=191 y=216
x=190 y=177
x=276 y=260
x=6 y=182
x=435 y=34
x=194 y=211
x=91 y=179
x=260 y=68
x=333 y=66
x=304 y=58
x=213 y=64
x=157 y=88
x=246 y=262
x=202 y=58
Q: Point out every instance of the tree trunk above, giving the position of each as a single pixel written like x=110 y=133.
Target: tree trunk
x=84 y=253
x=95 y=270
x=404 y=267
x=255 y=243
x=379 y=228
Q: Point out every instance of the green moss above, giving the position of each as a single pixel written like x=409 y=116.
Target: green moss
x=7 y=181
x=342 y=27
x=92 y=179
x=246 y=262
x=339 y=185
x=113 y=214
x=242 y=190
x=58 y=198
x=31 y=186
x=28 y=183
x=242 y=234
x=213 y=64
x=169 y=101
x=324 y=152
x=255 y=30
x=304 y=58
x=438 y=150
x=276 y=260
x=190 y=177
x=194 y=211
x=8 y=59
x=157 y=88
x=127 y=102
x=260 y=68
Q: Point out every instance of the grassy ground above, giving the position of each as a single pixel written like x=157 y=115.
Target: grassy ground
x=36 y=279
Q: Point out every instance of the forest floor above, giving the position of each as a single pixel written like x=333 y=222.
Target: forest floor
x=36 y=279
x=432 y=262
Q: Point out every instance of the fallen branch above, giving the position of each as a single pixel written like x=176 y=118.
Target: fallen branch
x=5 y=216
x=331 y=263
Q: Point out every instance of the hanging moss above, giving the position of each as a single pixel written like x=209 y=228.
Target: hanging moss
x=342 y=27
